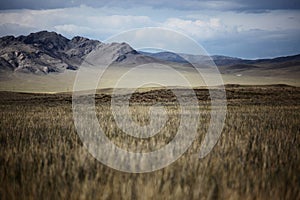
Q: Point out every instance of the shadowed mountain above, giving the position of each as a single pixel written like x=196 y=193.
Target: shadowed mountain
x=166 y=56
x=45 y=52
x=219 y=60
x=186 y=58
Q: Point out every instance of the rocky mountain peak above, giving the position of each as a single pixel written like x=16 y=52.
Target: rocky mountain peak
x=44 y=52
x=78 y=39
x=46 y=40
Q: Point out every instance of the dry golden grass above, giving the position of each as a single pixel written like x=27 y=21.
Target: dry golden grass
x=256 y=157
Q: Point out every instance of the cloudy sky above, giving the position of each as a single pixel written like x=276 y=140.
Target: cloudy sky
x=240 y=28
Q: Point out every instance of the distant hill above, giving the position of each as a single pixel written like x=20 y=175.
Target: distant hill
x=288 y=66
x=218 y=60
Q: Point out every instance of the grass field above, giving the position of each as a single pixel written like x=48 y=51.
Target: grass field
x=256 y=157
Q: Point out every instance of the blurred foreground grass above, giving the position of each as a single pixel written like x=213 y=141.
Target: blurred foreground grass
x=256 y=157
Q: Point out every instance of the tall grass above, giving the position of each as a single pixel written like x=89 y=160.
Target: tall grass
x=256 y=157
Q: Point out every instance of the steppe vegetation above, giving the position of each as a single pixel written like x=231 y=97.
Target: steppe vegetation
x=256 y=157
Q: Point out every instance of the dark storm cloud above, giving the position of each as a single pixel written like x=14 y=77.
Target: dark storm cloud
x=236 y=5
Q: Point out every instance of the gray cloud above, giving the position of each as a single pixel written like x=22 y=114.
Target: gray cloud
x=16 y=29
x=255 y=44
x=237 y=5
x=243 y=34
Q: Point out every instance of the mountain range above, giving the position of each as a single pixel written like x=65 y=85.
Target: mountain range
x=226 y=63
x=48 y=52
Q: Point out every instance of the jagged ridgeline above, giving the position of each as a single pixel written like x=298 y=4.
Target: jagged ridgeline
x=45 y=52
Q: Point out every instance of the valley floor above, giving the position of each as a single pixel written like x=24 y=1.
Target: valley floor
x=64 y=82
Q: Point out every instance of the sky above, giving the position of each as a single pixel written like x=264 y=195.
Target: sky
x=238 y=28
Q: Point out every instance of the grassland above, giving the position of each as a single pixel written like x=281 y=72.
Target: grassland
x=256 y=157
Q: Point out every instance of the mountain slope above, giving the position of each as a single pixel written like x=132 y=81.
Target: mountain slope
x=45 y=52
